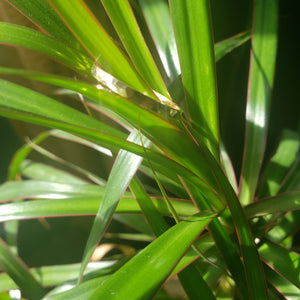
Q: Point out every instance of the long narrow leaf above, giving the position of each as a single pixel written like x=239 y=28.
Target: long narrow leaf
x=158 y=18
x=43 y=15
x=279 y=203
x=82 y=206
x=125 y=24
x=125 y=167
x=193 y=33
x=283 y=261
x=19 y=272
x=280 y=164
x=98 y=43
x=169 y=247
x=53 y=275
x=16 y=35
x=178 y=143
x=261 y=76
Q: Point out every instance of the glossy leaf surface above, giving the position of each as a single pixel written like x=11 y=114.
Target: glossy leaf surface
x=125 y=167
x=16 y=35
x=98 y=43
x=192 y=26
x=43 y=15
x=124 y=21
x=169 y=247
x=261 y=76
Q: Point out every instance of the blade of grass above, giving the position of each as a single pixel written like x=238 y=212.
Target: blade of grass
x=193 y=33
x=129 y=32
x=19 y=272
x=80 y=20
x=261 y=76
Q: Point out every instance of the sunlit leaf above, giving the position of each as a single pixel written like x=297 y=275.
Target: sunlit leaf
x=261 y=76
x=98 y=43
x=283 y=261
x=42 y=14
x=125 y=24
x=193 y=33
x=16 y=35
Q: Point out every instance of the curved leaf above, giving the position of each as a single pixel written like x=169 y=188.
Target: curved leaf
x=16 y=35
x=43 y=15
x=169 y=248
x=98 y=43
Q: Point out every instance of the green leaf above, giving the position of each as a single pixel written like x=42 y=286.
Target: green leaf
x=54 y=275
x=287 y=227
x=281 y=284
x=159 y=226
x=280 y=164
x=44 y=189
x=224 y=47
x=279 y=203
x=193 y=33
x=157 y=16
x=42 y=14
x=40 y=171
x=125 y=167
x=194 y=285
x=166 y=134
x=81 y=206
x=129 y=32
x=16 y=35
x=261 y=76
x=19 y=272
x=283 y=261
x=292 y=180
x=169 y=248
x=154 y=218
x=80 y=19
x=23 y=104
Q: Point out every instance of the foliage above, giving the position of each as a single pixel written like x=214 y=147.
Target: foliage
x=145 y=75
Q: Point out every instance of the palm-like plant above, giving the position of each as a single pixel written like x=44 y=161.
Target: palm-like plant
x=150 y=67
